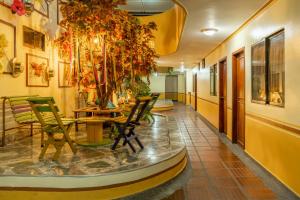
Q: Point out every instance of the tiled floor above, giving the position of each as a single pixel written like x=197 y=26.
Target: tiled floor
x=217 y=172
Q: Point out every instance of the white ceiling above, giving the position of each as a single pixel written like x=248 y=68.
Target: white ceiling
x=148 y=6
x=225 y=15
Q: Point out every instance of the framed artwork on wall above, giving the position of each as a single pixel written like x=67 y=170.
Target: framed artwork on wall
x=65 y=70
x=42 y=7
x=39 y=6
x=37 y=68
x=59 y=16
x=6 y=3
x=8 y=49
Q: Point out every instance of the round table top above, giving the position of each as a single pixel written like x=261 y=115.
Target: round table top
x=97 y=110
x=100 y=119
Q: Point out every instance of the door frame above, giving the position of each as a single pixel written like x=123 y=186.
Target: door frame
x=234 y=94
x=223 y=128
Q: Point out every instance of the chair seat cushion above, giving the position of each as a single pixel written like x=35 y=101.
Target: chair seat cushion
x=65 y=121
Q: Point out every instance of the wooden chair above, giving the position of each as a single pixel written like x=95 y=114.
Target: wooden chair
x=126 y=125
x=148 y=115
x=47 y=113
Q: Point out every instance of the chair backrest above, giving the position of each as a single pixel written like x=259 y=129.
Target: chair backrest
x=144 y=104
x=47 y=112
x=155 y=97
x=21 y=109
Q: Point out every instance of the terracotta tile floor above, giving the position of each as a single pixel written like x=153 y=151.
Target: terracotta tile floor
x=217 y=172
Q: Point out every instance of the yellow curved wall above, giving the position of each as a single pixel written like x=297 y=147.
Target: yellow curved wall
x=170 y=25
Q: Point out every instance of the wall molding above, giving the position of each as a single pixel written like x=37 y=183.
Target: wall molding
x=208 y=101
x=278 y=124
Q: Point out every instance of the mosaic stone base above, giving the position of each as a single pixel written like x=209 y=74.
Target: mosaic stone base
x=161 y=140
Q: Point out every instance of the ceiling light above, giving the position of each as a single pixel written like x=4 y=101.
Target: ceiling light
x=209 y=31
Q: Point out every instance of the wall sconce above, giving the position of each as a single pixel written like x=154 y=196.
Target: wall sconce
x=51 y=73
x=15 y=68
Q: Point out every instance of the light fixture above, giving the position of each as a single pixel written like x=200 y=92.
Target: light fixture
x=209 y=31
x=195 y=70
x=96 y=40
x=182 y=67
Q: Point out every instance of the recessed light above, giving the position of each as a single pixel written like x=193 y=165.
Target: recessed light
x=209 y=31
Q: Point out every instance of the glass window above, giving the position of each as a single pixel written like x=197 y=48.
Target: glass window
x=268 y=70
x=258 y=63
x=213 y=80
x=276 y=69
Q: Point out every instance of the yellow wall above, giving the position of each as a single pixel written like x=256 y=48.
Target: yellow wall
x=170 y=25
x=181 y=97
x=193 y=101
x=187 y=98
x=17 y=86
x=208 y=110
x=274 y=148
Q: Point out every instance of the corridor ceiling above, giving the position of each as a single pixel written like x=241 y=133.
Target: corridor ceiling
x=225 y=15
x=147 y=7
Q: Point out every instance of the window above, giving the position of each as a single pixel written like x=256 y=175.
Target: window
x=276 y=69
x=213 y=80
x=268 y=72
x=33 y=39
x=258 y=63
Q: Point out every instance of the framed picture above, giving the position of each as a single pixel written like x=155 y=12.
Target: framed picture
x=42 y=7
x=37 y=68
x=8 y=34
x=39 y=6
x=59 y=16
x=6 y=3
x=65 y=71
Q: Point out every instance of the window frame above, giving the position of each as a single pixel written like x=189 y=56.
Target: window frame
x=35 y=34
x=282 y=31
x=266 y=42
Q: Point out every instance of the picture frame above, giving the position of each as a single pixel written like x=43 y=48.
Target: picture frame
x=37 y=68
x=9 y=31
x=65 y=73
x=59 y=17
x=42 y=9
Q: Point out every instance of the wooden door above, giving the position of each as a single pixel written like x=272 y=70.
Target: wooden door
x=195 y=90
x=223 y=96
x=171 y=87
x=239 y=98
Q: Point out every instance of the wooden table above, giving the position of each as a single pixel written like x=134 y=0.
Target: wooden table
x=95 y=111
x=94 y=130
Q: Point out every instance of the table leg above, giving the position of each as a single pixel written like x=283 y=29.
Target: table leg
x=76 y=123
x=94 y=132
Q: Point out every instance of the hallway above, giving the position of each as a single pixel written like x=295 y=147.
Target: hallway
x=218 y=173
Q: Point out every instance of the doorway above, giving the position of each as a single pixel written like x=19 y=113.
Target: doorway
x=223 y=96
x=238 y=98
x=195 y=90
x=171 y=87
